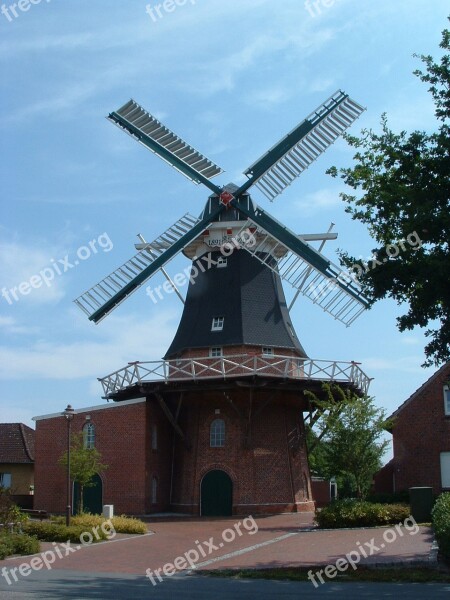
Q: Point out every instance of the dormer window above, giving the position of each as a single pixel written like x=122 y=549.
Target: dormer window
x=222 y=262
x=217 y=323
x=447 y=400
x=268 y=352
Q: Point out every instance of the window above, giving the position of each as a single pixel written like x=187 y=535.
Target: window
x=154 y=437
x=445 y=469
x=5 y=480
x=267 y=351
x=217 y=433
x=447 y=400
x=89 y=435
x=154 y=490
x=216 y=352
x=217 y=323
x=222 y=262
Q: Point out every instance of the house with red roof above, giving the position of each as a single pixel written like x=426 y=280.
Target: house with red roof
x=17 y=460
x=421 y=439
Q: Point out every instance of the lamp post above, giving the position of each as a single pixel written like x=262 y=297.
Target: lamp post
x=68 y=414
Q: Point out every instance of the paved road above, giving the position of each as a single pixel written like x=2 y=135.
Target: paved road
x=74 y=585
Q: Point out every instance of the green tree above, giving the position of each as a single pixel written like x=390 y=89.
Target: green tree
x=405 y=186
x=348 y=444
x=84 y=464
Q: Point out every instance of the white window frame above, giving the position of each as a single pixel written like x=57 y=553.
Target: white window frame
x=216 y=352
x=446 y=391
x=89 y=435
x=268 y=352
x=222 y=262
x=217 y=434
x=217 y=323
x=445 y=470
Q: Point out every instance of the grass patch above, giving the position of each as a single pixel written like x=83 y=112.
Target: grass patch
x=376 y=575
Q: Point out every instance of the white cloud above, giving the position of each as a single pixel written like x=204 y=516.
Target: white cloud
x=406 y=364
x=19 y=262
x=10 y=325
x=269 y=97
x=126 y=339
x=317 y=202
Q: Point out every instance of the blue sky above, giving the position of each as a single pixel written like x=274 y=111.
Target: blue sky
x=229 y=77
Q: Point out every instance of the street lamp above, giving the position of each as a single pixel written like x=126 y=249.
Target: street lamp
x=68 y=414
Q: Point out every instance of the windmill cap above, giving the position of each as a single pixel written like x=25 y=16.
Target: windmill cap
x=231 y=214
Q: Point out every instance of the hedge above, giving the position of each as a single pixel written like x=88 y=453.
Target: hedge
x=358 y=513
x=17 y=543
x=441 y=523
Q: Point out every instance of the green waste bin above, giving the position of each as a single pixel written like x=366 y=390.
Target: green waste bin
x=421 y=502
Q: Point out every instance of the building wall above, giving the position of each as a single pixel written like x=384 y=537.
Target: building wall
x=124 y=441
x=268 y=466
x=266 y=463
x=22 y=476
x=421 y=432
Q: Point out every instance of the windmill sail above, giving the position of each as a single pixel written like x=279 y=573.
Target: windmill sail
x=334 y=290
x=101 y=299
x=292 y=155
x=147 y=130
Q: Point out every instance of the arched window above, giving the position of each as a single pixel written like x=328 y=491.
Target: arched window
x=217 y=433
x=154 y=490
x=89 y=435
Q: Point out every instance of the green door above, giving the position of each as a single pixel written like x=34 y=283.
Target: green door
x=92 y=497
x=216 y=494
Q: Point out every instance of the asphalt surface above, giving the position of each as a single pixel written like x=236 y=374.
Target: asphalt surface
x=73 y=585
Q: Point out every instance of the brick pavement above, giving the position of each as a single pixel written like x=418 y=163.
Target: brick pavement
x=281 y=540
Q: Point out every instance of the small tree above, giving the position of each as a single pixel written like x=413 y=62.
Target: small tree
x=84 y=464
x=347 y=442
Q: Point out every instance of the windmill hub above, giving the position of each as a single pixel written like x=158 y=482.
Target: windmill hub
x=226 y=197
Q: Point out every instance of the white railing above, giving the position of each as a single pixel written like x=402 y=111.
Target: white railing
x=192 y=369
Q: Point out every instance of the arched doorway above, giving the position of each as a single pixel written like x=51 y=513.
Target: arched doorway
x=92 y=497
x=216 y=494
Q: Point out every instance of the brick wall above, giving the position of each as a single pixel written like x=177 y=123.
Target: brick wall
x=421 y=432
x=122 y=438
x=267 y=462
x=267 y=474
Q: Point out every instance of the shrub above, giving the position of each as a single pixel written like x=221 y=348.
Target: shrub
x=57 y=532
x=358 y=513
x=441 y=523
x=10 y=512
x=125 y=524
x=121 y=524
x=17 y=543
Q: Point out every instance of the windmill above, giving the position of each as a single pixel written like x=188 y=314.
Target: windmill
x=307 y=270
x=230 y=388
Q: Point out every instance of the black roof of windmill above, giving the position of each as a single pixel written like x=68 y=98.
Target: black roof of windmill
x=249 y=291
